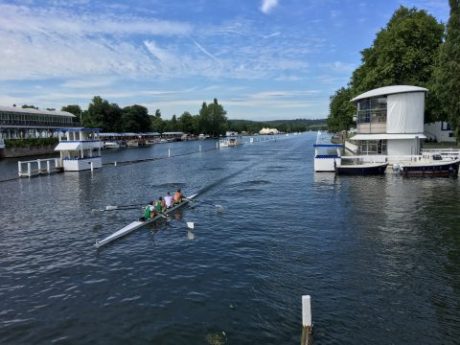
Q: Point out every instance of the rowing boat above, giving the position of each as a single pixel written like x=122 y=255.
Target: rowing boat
x=138 y=224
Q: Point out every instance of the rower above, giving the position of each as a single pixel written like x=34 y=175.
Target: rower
x=178 y=196
x=168 y=200
x=149 y=211
x=160 y=205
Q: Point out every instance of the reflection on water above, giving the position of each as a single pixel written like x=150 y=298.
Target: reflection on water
x=379 y=255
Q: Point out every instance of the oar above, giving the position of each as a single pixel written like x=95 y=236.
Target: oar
x=115 y=208
x=110 y=207
x=219 y=208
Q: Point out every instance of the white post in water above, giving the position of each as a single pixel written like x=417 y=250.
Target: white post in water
x=39 y=165
x=169 y=152
x=217 y=145
x=306 y=320
x=48 y=167
x=19 y=168
x=91 y=166
x=115 y=163
x=29 y=170
x=306 y=311
x=199 y=147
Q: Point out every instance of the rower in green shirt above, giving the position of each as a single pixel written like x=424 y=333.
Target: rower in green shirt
x=160 y=205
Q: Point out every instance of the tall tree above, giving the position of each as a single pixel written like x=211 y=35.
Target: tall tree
x=187 y=123
x=135 y=118
x=341 y=110
x=447 y=72
x=403 y=53
x=217 y=119
x=73 y=109
x=157 y=122
x=204 y=121
x=101 y=114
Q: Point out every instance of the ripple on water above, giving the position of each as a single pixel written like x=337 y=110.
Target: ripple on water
x=378 y=255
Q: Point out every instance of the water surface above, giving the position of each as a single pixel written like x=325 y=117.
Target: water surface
x=380 y=256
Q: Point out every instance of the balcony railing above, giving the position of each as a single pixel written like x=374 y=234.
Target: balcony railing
x=54 y=124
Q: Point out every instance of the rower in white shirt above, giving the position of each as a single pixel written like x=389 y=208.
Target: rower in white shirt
x=168 y=200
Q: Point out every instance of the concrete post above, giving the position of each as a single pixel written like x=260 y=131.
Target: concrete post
x=39 y=162
x=48 y=167
x=19 y=168
x=29 y=170
x=169 y=152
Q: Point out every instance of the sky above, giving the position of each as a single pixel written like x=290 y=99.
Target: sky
x=262 y=59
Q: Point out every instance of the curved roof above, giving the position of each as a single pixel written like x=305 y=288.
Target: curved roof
x=35 y=111
x=389 y=90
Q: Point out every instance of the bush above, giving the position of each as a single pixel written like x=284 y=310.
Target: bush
x=31 y=142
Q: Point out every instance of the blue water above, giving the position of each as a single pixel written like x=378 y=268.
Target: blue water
x=380 y=256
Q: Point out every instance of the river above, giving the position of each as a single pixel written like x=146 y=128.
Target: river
x=380 y=256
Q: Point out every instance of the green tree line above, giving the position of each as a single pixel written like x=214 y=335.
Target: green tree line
x=109 y=117
x=413 y=49
x=210 y=120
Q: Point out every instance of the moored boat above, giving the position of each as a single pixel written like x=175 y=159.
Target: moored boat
x=140 y=223
x=230 y=141
x=362 y=169
x=111 y=145
x=438 y=167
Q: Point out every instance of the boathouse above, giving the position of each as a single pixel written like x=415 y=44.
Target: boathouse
x=389 y=121
x=20 y=123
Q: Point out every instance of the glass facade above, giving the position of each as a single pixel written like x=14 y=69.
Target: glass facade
x=373 y=147
x=372 y=115
x=27 y=119
x=17 y=124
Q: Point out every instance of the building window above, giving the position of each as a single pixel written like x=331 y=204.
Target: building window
x=372 y=110
x=445 y=126
x=373 y=147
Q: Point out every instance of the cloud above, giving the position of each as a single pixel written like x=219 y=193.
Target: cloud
x=268 y=5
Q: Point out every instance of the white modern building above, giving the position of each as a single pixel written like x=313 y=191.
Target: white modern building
x=440 y=131
x=390 y=121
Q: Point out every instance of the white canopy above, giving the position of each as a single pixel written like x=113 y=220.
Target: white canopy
x=70 y=146
x=389 y=90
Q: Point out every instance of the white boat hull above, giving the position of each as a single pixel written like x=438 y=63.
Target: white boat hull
x=138 y=224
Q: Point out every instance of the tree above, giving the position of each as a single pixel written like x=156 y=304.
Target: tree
x=25 y=106
x=135 y=118
x=404 y=53
x=447 y=72
x=101 y=114
x=73 y=109
x=217 y=119
x=204 y=122
x=341 y=110
x=187 y=123
x=157 y=122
